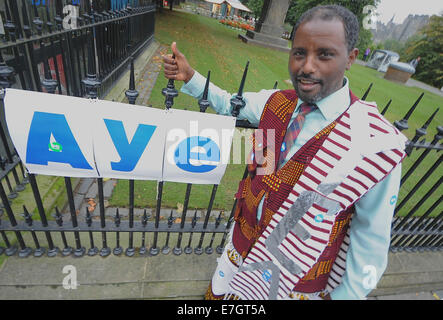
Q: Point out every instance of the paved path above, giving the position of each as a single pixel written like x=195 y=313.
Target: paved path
x=409 y=276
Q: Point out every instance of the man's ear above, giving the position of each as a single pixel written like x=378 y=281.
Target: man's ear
x=351 y=57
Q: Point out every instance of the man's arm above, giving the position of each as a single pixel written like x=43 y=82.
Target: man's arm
x=219 y=99
x=178 y=68
x=370 y=236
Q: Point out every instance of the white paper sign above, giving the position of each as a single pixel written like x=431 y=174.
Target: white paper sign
x=51 y=133
x=197 y=146
x=129 y=140
x=77 y=137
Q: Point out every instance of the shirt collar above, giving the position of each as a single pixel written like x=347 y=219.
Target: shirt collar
x=335 y=104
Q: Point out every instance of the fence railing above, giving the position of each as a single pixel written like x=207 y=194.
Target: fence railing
x=416 y=228
x=49 y=38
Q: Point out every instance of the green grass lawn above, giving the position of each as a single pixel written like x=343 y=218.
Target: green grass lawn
x=208 y=45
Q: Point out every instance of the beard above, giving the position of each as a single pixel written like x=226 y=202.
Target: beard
x=309 y=97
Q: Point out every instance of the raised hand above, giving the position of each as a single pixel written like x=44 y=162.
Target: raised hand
x=175 y=65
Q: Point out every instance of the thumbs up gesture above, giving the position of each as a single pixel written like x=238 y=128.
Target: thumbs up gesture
x=176 y=67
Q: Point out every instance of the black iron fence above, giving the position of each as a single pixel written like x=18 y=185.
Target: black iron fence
x=415 y=226
x=44 y=37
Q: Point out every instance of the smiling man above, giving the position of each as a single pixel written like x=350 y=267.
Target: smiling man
x=333 y=159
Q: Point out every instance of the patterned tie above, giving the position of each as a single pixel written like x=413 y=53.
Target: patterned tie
x=293 y=130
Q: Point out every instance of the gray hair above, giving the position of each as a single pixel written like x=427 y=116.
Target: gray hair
x=329 y=12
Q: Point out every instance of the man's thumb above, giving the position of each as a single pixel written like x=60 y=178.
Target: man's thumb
x=174 y=49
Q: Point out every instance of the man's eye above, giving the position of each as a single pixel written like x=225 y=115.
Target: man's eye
x=298 y=54
x=326 y=54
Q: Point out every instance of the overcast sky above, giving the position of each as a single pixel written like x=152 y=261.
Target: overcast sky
x=402 y=8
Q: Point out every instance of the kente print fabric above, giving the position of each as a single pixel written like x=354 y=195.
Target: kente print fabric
x=298 y=234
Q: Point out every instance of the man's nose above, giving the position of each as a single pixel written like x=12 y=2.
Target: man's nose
x=309 y=64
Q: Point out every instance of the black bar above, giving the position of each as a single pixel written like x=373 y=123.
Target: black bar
x=10 y=250
x=93 y=250
x=105 y=251
x=130 y=251
x=79 y=251
x=67 y=250
x=199 y=249
x=438 y=136
x=118 y=249
x=165 y=249
x=177 y=250
x=418 y=225
x=419 y=184
x=422 y=241
x=40 y=36
x=386 y=107
x=52 y=252
x=154 y=250
x=365 y=95
x=403 y=123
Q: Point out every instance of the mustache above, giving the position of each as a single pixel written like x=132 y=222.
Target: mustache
x=304 y=76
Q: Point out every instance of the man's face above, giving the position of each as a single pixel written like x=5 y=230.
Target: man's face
x=319 y=58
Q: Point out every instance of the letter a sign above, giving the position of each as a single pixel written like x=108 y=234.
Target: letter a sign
x=51 y=136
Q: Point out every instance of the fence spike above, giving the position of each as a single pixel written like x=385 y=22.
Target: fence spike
x=67 y=250
x=117 y=218
x=420 y=132
x=171 y=220
x=7 y=74
x=237 y=102
x=38 y=252
x=58 y=217
x=194 y=219
x=49 y=24
x=217 y=221
x=7 y=12
x=38 y=23
x=27 y=216
x=203 y=102
x=403 y=123
x=88 y=217
x=118 y=249
x=365 y=95
x=144 y=218
x=132 y=93
x=242 y=83
x=438 y=136
x=428 y=122
x=48 y=82
x=16 y=17
x=166 y=249
x=386 y=107
x=170 y=92
x=26 y=26
x=58 y=13
x=9 y=25
x=91 y=81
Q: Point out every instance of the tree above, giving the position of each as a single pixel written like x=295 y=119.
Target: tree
x=394 y=45
x=428 y=45
x=255 y=6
